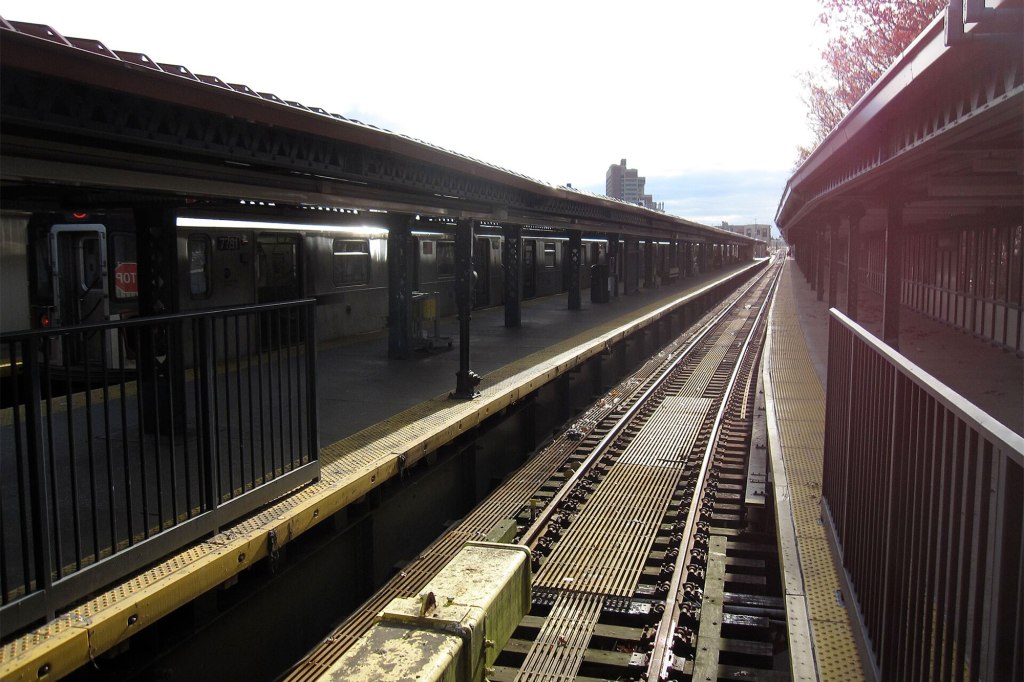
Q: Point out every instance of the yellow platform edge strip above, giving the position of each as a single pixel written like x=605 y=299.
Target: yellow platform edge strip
x=821 y=639
x=76 y=638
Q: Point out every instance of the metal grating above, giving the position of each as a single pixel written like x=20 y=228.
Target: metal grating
x=697 y=383
x=558 y=651
x=667 y=437
x=605 y=548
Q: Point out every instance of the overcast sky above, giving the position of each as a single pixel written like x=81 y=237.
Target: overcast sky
x=702 y=97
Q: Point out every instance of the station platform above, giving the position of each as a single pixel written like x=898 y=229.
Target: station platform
x=990 y=377
x=377 y=416
x=795 y=378
x=821 y=634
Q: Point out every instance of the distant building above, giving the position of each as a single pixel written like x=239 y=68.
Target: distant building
x=757 y=231
x=626 y=184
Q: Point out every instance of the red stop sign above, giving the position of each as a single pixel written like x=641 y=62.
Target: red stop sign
x=126 y=279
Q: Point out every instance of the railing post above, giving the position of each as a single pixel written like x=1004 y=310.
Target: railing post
x=883 y=646
x=205 y=376
x=312 y=416
x=850 y=350
x=39 y=499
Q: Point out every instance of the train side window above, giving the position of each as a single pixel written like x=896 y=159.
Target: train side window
x=351 y=262
x=199 y=266
x=446 y=259
x=549 y=254
x=90 y=267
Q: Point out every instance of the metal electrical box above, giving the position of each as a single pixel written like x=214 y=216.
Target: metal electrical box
x=454 y=629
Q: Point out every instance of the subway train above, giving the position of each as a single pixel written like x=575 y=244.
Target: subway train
x=64 y=269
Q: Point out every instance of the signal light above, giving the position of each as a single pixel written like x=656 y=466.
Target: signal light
x=80 y=216
x=44 y=320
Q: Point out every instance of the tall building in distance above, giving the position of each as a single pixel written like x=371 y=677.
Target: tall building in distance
x=626 y=184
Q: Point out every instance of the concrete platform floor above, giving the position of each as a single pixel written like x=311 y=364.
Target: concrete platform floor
x=989 y=377
x=358 y=385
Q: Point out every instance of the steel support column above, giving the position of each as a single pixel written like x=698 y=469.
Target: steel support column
x=631 y=266
x=575 y=256
x=614 y=263
x=853 y=261
x=893 y=273
x=649 y=273
x=512 y=257
x=162 y=382
x=465 y=379
x=804 y=247
x=819 y=264
x=399 y=286
x=833 y=261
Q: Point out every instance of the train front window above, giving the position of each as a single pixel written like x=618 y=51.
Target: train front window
x=549 y=254
x=199 y=266
x=351 y=262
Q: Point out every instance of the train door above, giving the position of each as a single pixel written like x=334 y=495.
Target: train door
x=78 y=257
x=278 y=278
x=482 y=267
x=529 y=268
x=277 y=268
x=78 y=261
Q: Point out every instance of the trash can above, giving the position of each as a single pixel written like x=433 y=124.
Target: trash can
x=425 y=329
x=598 y=283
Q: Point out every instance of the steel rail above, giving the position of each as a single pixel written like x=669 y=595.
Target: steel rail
x=532 y=534
x=660 y=657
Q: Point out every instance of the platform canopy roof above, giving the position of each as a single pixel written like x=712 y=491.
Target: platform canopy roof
x=939 y=134
x=85 y=123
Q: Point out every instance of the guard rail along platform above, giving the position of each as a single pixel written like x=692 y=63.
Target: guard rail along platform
x=922 y=500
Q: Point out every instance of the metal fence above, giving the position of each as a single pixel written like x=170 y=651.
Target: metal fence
x=923 y=498
x=124 y=441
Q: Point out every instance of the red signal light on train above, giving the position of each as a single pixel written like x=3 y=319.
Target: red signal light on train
x=44 y=320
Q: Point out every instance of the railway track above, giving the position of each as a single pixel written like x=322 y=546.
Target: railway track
x=646 y=562
x=646 y=565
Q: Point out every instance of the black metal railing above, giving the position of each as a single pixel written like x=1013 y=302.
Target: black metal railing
x=124 y=441
x=922 y=497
